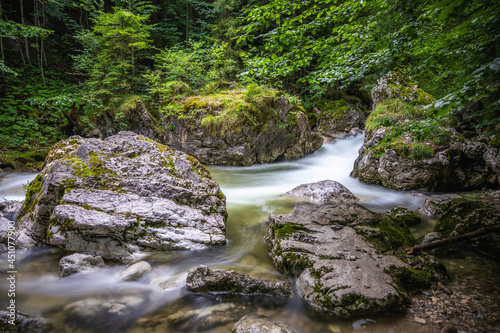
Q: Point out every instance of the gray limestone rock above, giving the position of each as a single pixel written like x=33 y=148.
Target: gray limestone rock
x=338 y=270
x=121 y=196
x=24 y=323
x=135 y=271
x=260 y=324
x=77 y=263
x=324 y=191
x=203 y=279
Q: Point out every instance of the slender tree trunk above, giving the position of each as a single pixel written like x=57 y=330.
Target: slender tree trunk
x=42 y=51
x=1 y=38
x=187 y=20
x=26 y=45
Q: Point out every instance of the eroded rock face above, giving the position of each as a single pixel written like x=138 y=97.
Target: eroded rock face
x=203 y=279
x=77 y=262
x=260 y=324
x=121 y=196
x=286 y=135
x=338 y=270
x=323 y=192
x=278 y=131
x=459 y=166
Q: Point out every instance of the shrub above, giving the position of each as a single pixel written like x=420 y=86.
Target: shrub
x=421 y=151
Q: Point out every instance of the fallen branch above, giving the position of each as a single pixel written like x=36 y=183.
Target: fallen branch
x=429 y=246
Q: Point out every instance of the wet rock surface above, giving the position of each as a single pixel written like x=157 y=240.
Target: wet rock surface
x=338 y=271
x=121 y=196
x=322 y=192
x=203 y=279
x=438 y=204
x=468 y=216
x=78 y=263
x=24 y=323
x=135 y=271
x=259 y=324
x=279 y=130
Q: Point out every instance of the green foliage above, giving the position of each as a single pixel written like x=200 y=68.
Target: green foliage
x=117 y=41
x=450 y=46
x=421 y=151
x=195 y=65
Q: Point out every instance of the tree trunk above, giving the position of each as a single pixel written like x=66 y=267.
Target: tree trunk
x=453 y=240
x=26 y=45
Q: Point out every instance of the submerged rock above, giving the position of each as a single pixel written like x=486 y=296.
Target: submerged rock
x=23 y=323
x=77 y=263
x=260 y=324
x=203 y=279
x=468 y=216
x=323 y=192
x=121 y=196
x=135 y=271
x=338 y=270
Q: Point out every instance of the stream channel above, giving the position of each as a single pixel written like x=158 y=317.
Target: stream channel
x=160 y=302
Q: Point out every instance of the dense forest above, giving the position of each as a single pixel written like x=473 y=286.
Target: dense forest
x=64 y=63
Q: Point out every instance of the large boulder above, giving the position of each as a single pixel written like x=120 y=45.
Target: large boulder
x=260 y=324
x=231 y=127
x=121 y=196
x=338 y=271
x=439 y=204
x=406 y=149
x=322 y=192
x=203 y=279
x=468 y=216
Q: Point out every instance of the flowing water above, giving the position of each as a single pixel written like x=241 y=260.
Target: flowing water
x=160 y=302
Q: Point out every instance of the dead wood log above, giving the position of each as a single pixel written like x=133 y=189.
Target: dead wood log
x=453 y=240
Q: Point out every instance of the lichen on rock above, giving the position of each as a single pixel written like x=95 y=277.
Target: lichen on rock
x=121 y=196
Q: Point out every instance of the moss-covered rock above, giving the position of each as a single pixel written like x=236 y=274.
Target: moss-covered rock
x=467 y=216
x=123 y=195
x=407 y=146
x=227 y=125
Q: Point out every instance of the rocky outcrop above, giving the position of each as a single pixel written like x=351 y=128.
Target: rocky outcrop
x=407 y=150
x=468 y=216
x=77 y=263
x=259 y=324
x=122 y=196
x=322 y=192
x=203 y=279
x=9 y=230
x=338 y=271
x=337 y=119
x=228 y=128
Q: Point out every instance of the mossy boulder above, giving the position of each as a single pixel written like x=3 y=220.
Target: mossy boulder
x=468 y=216
x=227 y=126
x=408 y=147
x=349 y=261
x=122 y=196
